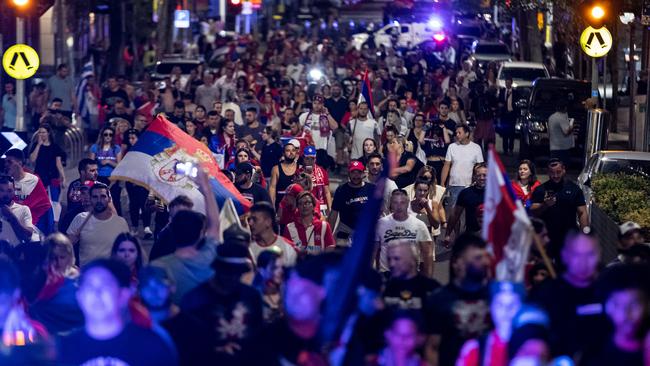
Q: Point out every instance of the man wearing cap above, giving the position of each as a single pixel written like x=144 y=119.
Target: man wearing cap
x=348 y=202
x=319 y=178
x=558 y=202
x=282 y=174
x=309 y=234
x=629 y=236
x=321 y=124
x=231 y=309
x=243 y=181
x=361 y=128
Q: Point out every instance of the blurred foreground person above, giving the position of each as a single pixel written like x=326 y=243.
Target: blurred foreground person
x=403 y=338
x=108 y=337
x=491 y=349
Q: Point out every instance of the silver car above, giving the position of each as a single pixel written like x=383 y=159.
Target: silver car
x=611 y=161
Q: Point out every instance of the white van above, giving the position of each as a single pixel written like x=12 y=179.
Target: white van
x=522 y=73
x=407 y=35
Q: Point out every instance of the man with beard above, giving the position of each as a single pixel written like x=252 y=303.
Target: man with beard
x=349 y=199
x=361 y=128
x=320 y=180
x=87 y=172
x=95 y=231
x=15 y=219
x=630 y=238
x=558 y=202
x=375 y=167
x=459 y=311
x=470 y=202
x=244 y=183
x=321 y=124
x=283 y=173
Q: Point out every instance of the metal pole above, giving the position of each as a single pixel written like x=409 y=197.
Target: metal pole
x=20 y=84
x=605 y=82
x=632 y=91
x=647 y=94
x=594 y=79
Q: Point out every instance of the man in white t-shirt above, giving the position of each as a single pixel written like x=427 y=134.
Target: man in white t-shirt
x=96 y=231
x=321 y=124
x=261 y=222
x=459 y=163
x=361 y=128
x=400 y=227
x=15 y=219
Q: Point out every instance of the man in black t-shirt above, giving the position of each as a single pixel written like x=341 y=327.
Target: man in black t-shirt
x=576 y=312
x=113 y=93
x=470 y=202
x=558 y=202
x=231 y=309
x=243 y=181
x=120 y=111
x=87 y=172
x=348 y=202
x=406 y=288
x=460 y=310
x=108 y=337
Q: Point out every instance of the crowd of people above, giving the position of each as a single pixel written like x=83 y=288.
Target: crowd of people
x=83 y=286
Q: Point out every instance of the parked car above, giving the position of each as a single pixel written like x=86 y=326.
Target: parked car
x=610 y=161
x=544 y=98
x=522 y=73
x=402 y=35
x=484 y=52
x=163 y=68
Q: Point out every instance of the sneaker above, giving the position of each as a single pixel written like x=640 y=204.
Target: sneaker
x=147 y=233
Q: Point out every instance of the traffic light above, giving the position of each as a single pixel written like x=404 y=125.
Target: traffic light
x=597 y=13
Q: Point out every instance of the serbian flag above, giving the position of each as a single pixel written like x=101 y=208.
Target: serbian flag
x=506 y=226
x=366 y=93
x=152 y=160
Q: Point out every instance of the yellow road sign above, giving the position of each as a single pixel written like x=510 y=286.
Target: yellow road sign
x=20 y=61
x=596 y=42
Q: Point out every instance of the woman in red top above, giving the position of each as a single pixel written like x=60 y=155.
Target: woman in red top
x=526 y=181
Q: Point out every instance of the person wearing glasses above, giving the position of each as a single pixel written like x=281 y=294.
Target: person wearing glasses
x=15 y=219
x=107 y=154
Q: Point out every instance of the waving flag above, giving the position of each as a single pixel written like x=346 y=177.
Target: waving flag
x=86 y=71
x=506 y=226
x=366 y=93
x=151 y=163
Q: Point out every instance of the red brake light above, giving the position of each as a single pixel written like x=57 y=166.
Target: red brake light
x=439 y=37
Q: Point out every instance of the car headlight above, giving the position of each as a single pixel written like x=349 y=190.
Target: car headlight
x=537 y=126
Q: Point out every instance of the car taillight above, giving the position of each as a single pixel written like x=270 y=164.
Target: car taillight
x=439 y=37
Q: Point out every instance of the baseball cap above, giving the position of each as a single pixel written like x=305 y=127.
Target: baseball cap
x=309 y=151
x=628 y=227
x=293 y=189
x=244 y=168
x=294 y=142
x=356 y=165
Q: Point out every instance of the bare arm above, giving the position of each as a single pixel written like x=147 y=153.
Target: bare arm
x=211 y=207
x=275 y=173
x=426 y=253
x=22 y=231
x=583 y=217
x=328 y=197
x=410 y=164
x=59 y=168
x=333 y=216
x=452 y=223
x=34 y=155
x=445 y=172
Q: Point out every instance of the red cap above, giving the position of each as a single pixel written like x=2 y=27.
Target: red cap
x=356 y=165
x=294 y=189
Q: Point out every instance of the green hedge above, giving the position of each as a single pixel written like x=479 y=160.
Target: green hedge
x=624 y=198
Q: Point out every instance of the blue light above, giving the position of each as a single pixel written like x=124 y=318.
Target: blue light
x=435 y=23
x=307 y=24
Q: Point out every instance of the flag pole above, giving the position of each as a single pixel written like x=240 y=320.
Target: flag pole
x=542 y=251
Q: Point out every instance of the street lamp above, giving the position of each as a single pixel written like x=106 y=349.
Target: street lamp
x=597 y=12
x=20 y=2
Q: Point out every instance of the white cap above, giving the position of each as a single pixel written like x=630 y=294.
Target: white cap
x=628 y=227
x=295 y=143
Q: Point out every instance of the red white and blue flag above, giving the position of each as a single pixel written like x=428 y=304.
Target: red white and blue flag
x=366 y=93
x=506 y=226
x=152 y=160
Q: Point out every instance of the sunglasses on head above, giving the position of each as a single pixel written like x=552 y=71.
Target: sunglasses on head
x=108 y=134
